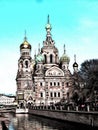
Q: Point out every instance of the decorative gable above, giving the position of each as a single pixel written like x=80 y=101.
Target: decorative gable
x=54 y=71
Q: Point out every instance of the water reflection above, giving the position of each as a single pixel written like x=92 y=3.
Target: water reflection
x=30 y=122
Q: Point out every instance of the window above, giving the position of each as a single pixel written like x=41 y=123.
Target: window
x=58 y=94
x=51 y=58
x=50 y=83
x=54 y=94
x=51 y=94
x=41 y=94
x=63 y=67
x=58 y=84
x=45 y=58
x=26 y=63
x=54 y=83
x=67 y=84
x=41 y=84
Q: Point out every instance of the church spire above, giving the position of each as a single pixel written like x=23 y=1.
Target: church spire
x=25 y=37
x=48 y=27
x=75 y=65
x=74 y=57
x=48 y=19
x=64 y=49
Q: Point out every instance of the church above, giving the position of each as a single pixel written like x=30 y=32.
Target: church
x=45 y=79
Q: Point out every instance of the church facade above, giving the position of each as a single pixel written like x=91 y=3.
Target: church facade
x=46 y=79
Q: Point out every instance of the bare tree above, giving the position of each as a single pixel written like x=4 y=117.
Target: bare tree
x=89 y=72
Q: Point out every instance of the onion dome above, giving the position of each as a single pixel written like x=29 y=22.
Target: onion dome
x=75 y=64
x=39 y=58
x=48 y=26
x=64 y=57
x=25 y=44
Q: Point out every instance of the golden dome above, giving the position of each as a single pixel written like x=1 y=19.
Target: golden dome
x=25 y=45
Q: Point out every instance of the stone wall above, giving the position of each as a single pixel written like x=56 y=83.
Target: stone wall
x=88 y=118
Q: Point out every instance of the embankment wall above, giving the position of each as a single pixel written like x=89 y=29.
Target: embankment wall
x=83 y=117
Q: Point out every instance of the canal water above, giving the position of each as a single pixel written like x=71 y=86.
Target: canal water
x=30 y=122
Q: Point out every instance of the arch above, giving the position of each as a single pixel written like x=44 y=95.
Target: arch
x=54 y=71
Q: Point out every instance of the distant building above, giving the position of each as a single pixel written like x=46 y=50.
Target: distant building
x=7 y=100
x=46 y=79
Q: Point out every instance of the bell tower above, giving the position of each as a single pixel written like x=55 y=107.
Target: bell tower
x=24 y=74
x=49 y=51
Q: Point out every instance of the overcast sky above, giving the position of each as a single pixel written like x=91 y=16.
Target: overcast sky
x=74 y=23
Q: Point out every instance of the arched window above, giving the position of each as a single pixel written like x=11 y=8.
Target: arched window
x=45 y=58
x=58 y=84
x=50 y=83
x=58 y=94
x=54 y=83
x=26 y=63
x=41 y=84
x=41 y=94
x=51 y=58
x=51 y=94
x=54 y=94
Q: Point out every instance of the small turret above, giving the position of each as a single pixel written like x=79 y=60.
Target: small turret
x=75 y=65
x=65 y=60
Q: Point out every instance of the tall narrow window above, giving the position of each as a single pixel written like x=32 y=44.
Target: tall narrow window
x=41 y=94
x=58 y=84
x=50 y=83
x=54 y=94
x=51 y=58
x=41 y=84
x=54 y=83
x=51 y=94
x=45 y=58
x=26 y=63
x=58 y=94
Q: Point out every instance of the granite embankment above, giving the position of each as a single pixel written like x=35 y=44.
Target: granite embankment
x=83 y=117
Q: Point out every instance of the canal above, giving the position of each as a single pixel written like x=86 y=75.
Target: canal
x=30 y=122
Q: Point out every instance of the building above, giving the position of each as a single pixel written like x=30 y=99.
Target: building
x=46 y=79
x=6 y=100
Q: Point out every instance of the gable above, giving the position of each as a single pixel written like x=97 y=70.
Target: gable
x=54 y=71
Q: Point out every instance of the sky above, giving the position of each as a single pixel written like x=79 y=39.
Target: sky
x=74 y=23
